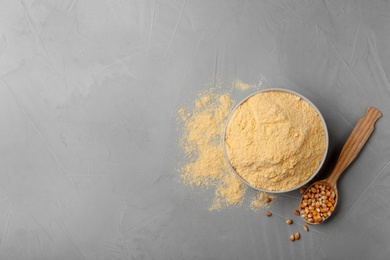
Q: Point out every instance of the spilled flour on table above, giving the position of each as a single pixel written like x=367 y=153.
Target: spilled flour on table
x=202 y=126
x=259 y=202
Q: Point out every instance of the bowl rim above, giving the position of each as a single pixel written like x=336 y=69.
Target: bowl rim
x=323 y=124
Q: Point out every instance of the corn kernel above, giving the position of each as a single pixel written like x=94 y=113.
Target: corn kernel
x=317 y=203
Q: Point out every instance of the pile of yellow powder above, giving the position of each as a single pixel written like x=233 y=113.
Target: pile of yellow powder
x=204 y=164
x=275 y=140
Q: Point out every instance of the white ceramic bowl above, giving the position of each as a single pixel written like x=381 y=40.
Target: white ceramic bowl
x=325 y=132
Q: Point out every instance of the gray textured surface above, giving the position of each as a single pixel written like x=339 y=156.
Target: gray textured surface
x=88 y=140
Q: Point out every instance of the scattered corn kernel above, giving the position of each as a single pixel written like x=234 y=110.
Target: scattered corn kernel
x=306 y=228
x=292 y=238
x=289 y=221
x=297 y=236
x=296 y=212
x=268 y=214
x=268 y=200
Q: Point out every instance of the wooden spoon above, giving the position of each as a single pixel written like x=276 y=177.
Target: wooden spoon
x=350 y=150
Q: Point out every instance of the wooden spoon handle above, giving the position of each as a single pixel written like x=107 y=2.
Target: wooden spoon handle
x=355 y=142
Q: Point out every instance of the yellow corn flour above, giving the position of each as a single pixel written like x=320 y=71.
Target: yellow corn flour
x=203 y=163
x=275 y=140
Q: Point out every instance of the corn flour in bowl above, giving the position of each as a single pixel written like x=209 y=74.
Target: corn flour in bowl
x=275 y=140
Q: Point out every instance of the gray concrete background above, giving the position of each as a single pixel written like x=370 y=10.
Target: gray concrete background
x=88 y=94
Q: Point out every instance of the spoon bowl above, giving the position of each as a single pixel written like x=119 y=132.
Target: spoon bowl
x=320 y=203
x=350 y=150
